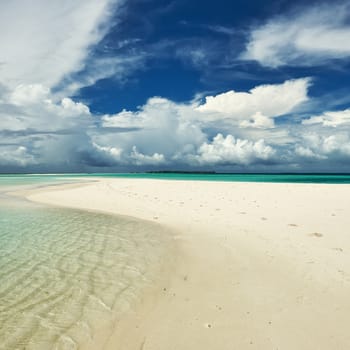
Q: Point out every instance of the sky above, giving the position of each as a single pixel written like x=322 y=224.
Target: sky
x=152 y=85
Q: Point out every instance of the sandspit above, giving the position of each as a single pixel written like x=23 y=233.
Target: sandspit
x=261 y=266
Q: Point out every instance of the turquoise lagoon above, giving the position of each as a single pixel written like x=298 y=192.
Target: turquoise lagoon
x=65 y=274
x=271 y=178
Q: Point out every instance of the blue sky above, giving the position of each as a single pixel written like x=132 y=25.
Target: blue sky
x=118 y=85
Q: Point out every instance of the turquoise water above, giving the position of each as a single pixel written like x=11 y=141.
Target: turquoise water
x=278 y=178
x=25 y=181
x=65 y=274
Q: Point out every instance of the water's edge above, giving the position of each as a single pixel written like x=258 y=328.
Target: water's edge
x=270 y=178
x=71 y=282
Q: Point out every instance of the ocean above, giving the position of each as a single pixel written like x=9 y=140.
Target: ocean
x=278 y=178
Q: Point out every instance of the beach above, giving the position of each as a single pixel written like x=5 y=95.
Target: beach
x=253 y=265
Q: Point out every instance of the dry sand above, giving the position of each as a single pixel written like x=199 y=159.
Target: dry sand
x=261 y=266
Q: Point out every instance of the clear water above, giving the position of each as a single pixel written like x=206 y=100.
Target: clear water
x=278 y=178
x=64 y=274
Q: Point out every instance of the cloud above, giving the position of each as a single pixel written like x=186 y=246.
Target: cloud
x=34 y=107
x=161 y=131
x=259 y=106
x=228 y=150
x=143 y=159
x=15 y=156
x=40 y=130
x=334 y=147
x=310 y=36
x=46 y=131
x=117 y=156
x=174 y=130
x=117 y=68
x=28 y=94
x=332 y=119
x=44 y=41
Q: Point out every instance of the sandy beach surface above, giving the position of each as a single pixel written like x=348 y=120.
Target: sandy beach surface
x=258 y=266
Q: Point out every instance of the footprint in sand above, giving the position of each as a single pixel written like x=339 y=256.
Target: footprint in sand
x=316 y=234
x=338 y=249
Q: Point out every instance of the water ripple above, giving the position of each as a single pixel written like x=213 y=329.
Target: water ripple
x=63 y=273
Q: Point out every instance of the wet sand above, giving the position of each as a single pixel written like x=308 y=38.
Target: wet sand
x=261 y=266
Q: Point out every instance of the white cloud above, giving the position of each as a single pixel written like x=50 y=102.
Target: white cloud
x=40 y=129
x=43 y=41
x=28 y=94
x=333 y=146
x=116 y=156
x=258 y=120
x=143 y=159
x=228 y=150
x=307 y=152
x=332 y=119
x=259 y=106
x=308 y=37
x=16 y=156
x=114 y=152
x=161 y=127
x=34 y=107
x=163 y=132
x=169 y=133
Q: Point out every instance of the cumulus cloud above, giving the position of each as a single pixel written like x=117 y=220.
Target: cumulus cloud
x=118 y=156
x=171 y=133
x=16 y=156
x=333 y=146
x=44 y=130
x=160 y=133
x=34 y=107
x=40 y=129
x=143 y=159
x=332 y=119
x=228 y=150
x=308 y=37
x=259 y=106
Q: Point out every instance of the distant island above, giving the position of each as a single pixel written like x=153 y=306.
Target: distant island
x=179 y=172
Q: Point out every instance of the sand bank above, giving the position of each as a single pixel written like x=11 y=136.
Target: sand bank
x=262 y=266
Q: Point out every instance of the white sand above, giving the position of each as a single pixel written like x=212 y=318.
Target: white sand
x=261 y=266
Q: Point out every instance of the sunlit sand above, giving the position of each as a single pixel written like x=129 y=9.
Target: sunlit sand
x=259 y=266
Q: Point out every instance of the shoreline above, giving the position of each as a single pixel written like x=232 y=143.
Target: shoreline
x=260 y=265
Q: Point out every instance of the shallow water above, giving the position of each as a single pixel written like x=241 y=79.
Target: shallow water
x=66 y=273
